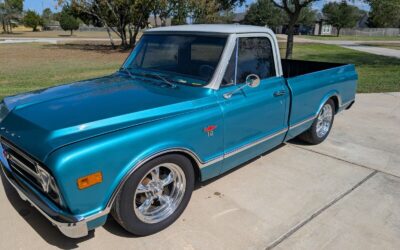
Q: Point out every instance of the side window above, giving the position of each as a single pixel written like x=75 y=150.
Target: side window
x=255 y=56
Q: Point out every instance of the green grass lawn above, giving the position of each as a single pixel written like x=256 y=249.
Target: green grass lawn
x=26 y=67
x=354 y=38
x=376 y=73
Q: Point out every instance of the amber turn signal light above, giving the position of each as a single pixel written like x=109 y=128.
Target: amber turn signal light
x=90 y=180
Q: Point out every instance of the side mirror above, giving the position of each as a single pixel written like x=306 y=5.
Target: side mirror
x=252 y=81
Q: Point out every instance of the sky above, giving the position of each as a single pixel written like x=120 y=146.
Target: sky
x=39 y=5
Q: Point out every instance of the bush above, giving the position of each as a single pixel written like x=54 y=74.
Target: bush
x=32 y=20
x=68 y=22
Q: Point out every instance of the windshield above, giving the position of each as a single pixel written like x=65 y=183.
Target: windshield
x=186 y=59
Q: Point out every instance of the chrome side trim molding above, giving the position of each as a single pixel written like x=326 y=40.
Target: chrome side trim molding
x=250 y=145
x=193 y=155
x=303 y=122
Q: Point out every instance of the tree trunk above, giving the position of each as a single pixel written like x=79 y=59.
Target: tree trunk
x=155 y=19
x=290 y=33
x=123 y=37
x=135 y=34
x=7 y=26
x=131 y=43
x=4 y=26
x=338 y=32
x=110 y=36
x=290 y=40
x=72 y=32
x=11 y=31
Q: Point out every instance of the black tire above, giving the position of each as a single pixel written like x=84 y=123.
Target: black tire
x=123 y=211
x=310 y=136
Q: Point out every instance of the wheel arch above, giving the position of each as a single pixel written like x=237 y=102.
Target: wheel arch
x=335 y=97
x=194 y=159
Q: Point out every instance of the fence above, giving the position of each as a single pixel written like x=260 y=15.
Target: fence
x=371 y=32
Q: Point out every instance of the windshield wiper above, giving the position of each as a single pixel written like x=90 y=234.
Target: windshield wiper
x=127 y=71
x=165 y=80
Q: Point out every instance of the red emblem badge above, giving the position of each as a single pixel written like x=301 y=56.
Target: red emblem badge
x=210 y=130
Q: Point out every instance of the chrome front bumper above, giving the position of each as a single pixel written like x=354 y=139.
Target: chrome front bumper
x=71 y=226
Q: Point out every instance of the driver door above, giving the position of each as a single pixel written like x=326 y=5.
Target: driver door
x=254 y=118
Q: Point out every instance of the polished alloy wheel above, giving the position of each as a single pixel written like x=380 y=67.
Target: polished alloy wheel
x=159 y=193
x=324 y=121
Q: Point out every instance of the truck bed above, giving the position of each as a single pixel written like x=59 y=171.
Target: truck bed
x=293 y=68
x=311 y=84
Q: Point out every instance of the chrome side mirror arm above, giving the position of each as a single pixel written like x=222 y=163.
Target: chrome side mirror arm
x=252 y=81
x=230 y=94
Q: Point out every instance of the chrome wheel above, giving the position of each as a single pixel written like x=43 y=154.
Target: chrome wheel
x=159 y=193
x=324 y=121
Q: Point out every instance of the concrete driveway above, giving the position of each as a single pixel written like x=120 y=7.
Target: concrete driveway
x=342 y=194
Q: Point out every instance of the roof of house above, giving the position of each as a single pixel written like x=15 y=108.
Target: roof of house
x=212 y=28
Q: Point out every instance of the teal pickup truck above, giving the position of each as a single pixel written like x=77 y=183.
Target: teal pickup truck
x=189 y=103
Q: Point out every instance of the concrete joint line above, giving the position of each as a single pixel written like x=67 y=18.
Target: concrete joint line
x=318 y=212
x=339 y=159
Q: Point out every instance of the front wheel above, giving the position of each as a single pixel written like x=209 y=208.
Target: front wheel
x=155 y=195
x=321 y=126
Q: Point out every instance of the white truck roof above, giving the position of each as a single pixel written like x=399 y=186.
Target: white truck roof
x=213 y=28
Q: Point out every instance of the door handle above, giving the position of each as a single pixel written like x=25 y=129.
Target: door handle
x=280 y=93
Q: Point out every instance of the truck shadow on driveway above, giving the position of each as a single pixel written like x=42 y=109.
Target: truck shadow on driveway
x=39 y=223
x=54 y=237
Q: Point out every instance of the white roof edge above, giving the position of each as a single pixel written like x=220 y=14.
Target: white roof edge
x=213 y=28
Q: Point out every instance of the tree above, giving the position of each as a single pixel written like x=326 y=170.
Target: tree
x=180 y=12
x=212 y=11
x=264 y=12
x=118 y=16
x=204 y=11
x=384 y=14
x=32 y=20
x=341 y=15
x=139 y=13
x=47 y=17
x=293 y=10
x=10 y=11
x=68 y=21
x=307 y=17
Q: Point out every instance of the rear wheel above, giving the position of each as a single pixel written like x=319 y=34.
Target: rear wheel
x=155 y=195
x=321 y=126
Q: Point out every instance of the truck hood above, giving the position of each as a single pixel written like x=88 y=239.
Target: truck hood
x=39 y=122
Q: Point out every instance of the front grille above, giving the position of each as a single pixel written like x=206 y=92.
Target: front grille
x=21 y=163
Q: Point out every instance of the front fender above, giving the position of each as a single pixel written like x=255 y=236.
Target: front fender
x=116 y=154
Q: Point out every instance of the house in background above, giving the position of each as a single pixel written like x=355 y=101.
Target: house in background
x=322 y=28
